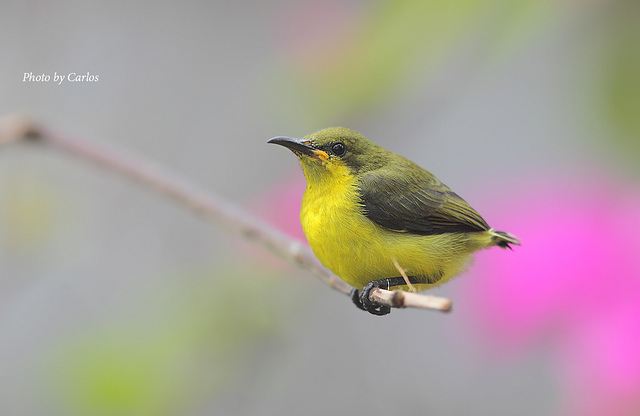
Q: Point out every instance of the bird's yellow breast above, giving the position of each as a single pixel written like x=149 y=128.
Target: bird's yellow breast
x=356 y=249
x=334 y=226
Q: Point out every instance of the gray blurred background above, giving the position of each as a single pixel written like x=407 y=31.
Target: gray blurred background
x=116 y=301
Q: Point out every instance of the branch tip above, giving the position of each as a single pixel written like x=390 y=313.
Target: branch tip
x=401 y=299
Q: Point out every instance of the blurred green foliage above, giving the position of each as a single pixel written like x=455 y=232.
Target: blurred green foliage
x=394 y=46
x=184 y=346
x=620 y=83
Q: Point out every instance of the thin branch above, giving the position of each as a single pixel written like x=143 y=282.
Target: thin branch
x=233 y=218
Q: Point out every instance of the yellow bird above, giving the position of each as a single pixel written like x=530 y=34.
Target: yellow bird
x=376 y=219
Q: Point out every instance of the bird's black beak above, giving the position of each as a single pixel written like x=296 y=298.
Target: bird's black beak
x=299 y=146
x=295 y=145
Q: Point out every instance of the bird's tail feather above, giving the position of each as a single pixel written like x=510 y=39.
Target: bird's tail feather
x=502 y=239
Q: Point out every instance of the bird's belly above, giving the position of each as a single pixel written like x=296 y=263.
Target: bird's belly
x=358 y=250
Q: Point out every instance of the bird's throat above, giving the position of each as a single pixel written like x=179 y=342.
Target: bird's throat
x=324 y=173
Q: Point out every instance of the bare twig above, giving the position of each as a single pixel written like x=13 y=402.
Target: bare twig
x=233 y=218
x=401 y=299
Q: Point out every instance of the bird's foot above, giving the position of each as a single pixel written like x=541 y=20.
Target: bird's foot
x=362 y=300
x=355 y=298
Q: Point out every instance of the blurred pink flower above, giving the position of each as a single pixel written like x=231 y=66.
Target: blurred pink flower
x=279 y=205
x=574 y=285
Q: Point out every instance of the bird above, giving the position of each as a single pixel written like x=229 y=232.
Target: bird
x=378 y=220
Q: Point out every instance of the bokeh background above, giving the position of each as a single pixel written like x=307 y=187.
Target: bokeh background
x=116 y=301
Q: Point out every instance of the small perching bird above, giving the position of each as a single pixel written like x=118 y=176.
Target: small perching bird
x=376 y=219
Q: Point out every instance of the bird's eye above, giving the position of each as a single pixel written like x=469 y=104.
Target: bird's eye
x=338 y=149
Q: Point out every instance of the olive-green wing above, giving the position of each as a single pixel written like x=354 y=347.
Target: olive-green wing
x=410 y=199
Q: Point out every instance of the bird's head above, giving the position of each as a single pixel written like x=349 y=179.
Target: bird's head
x=335 y=151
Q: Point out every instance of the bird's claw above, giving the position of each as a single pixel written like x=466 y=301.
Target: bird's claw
x=355 y=298
x=362 y=300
